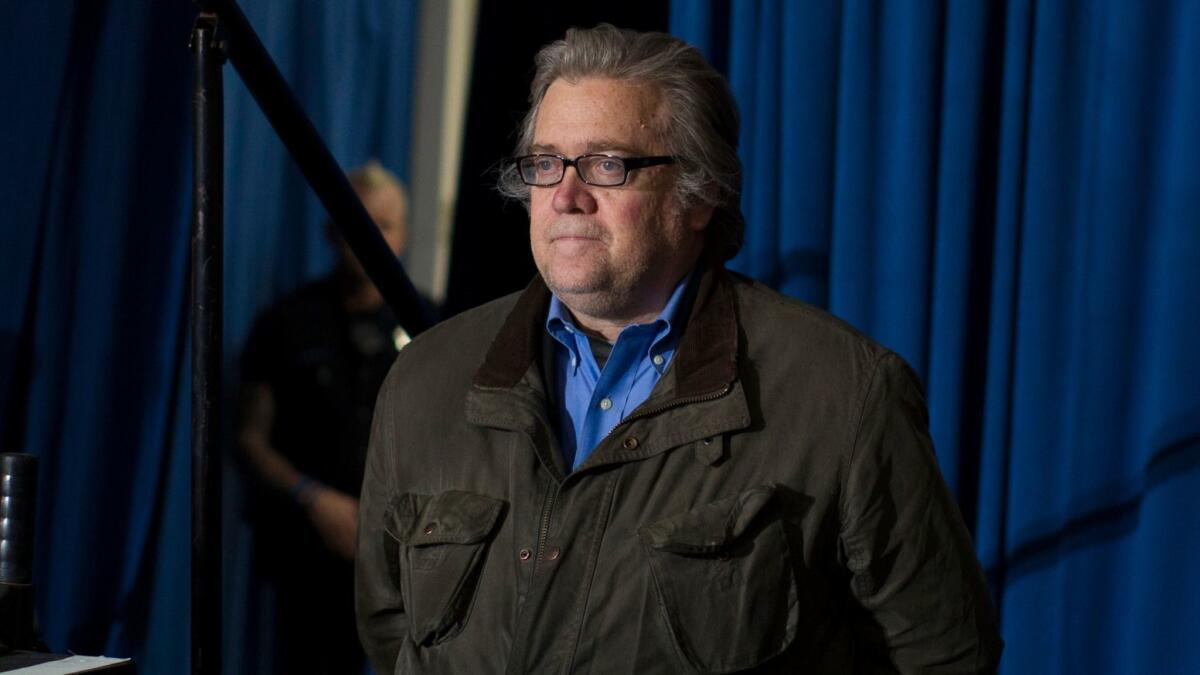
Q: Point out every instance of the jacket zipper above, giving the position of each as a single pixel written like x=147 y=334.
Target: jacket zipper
x=544 y=530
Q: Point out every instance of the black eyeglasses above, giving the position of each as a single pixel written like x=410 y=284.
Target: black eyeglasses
x=601 y=170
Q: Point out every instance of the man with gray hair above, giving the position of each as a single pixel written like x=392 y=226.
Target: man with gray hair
x=644 y=463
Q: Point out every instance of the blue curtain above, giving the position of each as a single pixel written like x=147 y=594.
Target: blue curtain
x=1008 y=194
x=94 y=353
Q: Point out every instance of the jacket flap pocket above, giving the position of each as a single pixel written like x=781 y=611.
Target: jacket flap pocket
x=708 y=528
x=452 y=517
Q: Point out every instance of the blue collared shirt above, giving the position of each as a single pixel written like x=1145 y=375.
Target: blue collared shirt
x=592 y=401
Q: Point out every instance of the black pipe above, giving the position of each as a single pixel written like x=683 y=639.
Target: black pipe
x=206 y=253
x=18 y=511
x=18 y=507
x=320 y=169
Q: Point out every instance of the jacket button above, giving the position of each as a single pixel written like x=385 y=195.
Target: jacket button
x=553 y=553
x=629 y=443
x=525 y=554
x=429 y=528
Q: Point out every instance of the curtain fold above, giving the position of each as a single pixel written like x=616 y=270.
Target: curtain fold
x=94 y=349
x=1007 y=194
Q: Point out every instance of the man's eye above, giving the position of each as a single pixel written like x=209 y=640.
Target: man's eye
x=611 y=166
x=545 y=165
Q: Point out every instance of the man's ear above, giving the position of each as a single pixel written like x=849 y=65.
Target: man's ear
x=701 y=214
x=698 y=217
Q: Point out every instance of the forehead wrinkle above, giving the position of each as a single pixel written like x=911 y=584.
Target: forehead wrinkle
x=661 y=118
x=634 y=111
x=606 y=145
x=602 y=146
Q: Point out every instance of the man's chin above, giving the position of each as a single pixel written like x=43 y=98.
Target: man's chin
x=578 y=286
x=353 y=277
x=576 y=289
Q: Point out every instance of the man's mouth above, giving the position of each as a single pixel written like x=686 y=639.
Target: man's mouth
x=576 y=235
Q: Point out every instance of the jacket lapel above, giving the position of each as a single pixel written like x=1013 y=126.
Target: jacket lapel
x=510 y=392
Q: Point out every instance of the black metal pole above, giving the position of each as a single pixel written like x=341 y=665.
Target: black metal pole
x=320 y=169
x=18 y=507
x=208 y=203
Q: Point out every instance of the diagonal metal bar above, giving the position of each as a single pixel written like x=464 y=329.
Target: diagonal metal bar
x=241 y=44
x=261 y=76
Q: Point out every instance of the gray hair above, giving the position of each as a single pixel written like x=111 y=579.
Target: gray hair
x=701 y=115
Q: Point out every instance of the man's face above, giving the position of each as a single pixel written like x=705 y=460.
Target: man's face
x=386 y=208
x=611 y=253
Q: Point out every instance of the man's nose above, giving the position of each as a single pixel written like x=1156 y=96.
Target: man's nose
x=573 y=195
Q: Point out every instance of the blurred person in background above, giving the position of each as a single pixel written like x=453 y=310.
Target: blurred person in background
x=310 y=373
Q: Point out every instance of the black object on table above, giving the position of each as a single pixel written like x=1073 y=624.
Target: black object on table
x=18 y=506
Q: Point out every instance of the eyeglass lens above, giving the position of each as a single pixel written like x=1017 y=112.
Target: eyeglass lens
x=593 y=169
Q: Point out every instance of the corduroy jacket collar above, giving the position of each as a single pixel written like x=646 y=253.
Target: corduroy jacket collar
x=705 y=361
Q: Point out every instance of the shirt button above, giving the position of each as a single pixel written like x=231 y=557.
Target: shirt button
x=629 y=443
x=429 y=528
x=525 y=554
x=605 y=403
x=553 y=553
x=658 y=359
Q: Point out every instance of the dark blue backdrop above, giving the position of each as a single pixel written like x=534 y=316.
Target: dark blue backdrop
x=1008 y=194
x=95 y=197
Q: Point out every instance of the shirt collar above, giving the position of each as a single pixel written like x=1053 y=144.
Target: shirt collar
x=668 y=324
x=707 y=358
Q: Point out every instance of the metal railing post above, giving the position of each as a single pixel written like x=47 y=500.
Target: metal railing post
x=206 y=271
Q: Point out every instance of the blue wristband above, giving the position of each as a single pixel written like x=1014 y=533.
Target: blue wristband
x=301 y=492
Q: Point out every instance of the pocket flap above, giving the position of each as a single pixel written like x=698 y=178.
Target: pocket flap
x=452 y=517
x=708 y=528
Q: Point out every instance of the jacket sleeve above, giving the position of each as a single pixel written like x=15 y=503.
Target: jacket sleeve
x=923 y=603
x=379 y=607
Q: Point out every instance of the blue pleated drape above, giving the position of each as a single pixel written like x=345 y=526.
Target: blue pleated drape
x=94 y=354
x=1008 y=194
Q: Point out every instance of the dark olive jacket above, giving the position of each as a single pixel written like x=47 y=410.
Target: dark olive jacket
x=775 y=505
